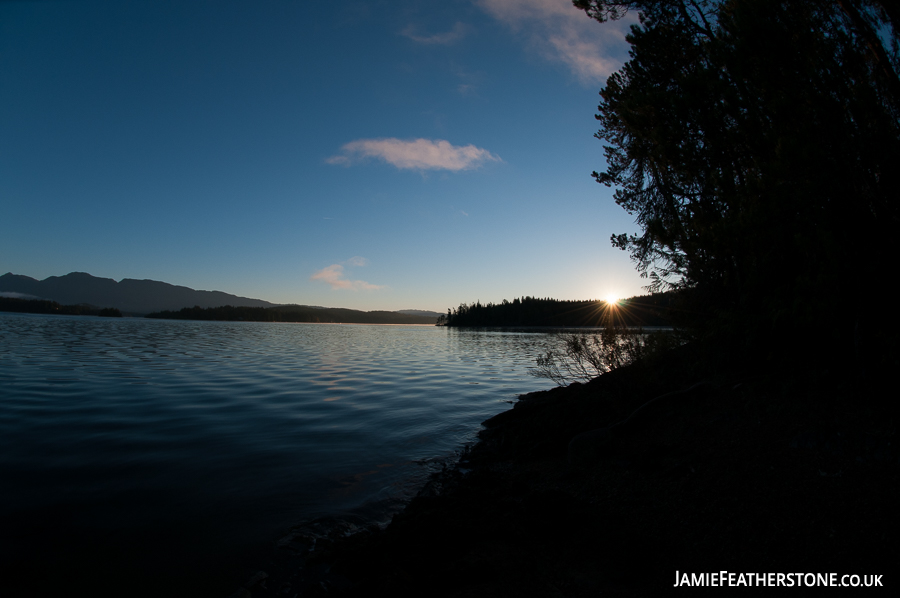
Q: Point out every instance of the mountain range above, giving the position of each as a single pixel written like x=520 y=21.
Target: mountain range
x=141 y=297
x=128 y=295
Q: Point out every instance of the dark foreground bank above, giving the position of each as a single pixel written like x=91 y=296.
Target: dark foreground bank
x=598 y=488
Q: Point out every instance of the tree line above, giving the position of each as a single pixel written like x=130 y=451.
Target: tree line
x=291 y=313
x=645 y=310
x=42 y=306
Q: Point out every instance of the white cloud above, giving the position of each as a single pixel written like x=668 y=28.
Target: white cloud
x=416 y=154
x=334 y=276
x=442 y=39
x=563 y=33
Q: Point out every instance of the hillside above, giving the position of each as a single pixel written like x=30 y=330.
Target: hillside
x=128 y=295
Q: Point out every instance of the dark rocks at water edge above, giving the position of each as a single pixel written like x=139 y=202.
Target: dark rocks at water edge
x=598 y=488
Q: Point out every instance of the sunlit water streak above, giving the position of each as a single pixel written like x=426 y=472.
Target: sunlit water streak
x=167 y=446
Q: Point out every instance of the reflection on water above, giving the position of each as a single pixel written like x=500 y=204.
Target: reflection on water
x=169 y=450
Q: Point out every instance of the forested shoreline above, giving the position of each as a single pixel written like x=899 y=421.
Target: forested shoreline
x=645 y=310
x=226 y=313
x=42 y=306
x=292 y=313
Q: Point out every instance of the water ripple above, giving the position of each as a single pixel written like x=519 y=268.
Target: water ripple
x=184 y=423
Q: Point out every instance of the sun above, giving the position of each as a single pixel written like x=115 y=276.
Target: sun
x=612 y=300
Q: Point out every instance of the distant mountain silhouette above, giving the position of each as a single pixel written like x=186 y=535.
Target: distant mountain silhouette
x=128 y=295
x=420 y=312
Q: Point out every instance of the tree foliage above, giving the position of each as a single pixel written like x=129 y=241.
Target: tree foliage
x=646 y=310
x=757 y=144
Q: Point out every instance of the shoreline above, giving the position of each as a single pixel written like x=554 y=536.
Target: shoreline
x=797 y=472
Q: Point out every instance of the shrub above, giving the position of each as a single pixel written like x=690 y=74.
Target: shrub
x=582 y=357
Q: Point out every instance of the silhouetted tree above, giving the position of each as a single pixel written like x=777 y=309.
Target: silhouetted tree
x=756 y=142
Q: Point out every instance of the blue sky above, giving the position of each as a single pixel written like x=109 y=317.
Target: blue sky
x=372 y=155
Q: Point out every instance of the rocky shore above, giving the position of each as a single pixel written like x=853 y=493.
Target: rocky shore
x=610 y=487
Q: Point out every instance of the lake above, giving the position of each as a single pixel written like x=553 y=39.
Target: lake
x=155 y=454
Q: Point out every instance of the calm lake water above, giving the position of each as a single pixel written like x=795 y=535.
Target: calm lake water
x=148 y=453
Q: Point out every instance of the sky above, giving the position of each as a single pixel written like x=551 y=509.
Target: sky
x=394 y=154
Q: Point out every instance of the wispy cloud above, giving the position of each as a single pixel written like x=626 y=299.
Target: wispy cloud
x=415 y=154
x=334 y=276
x=14 y=295
x=565 y=34
x=469 y=80
x=437 y=39
x=357 y=261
